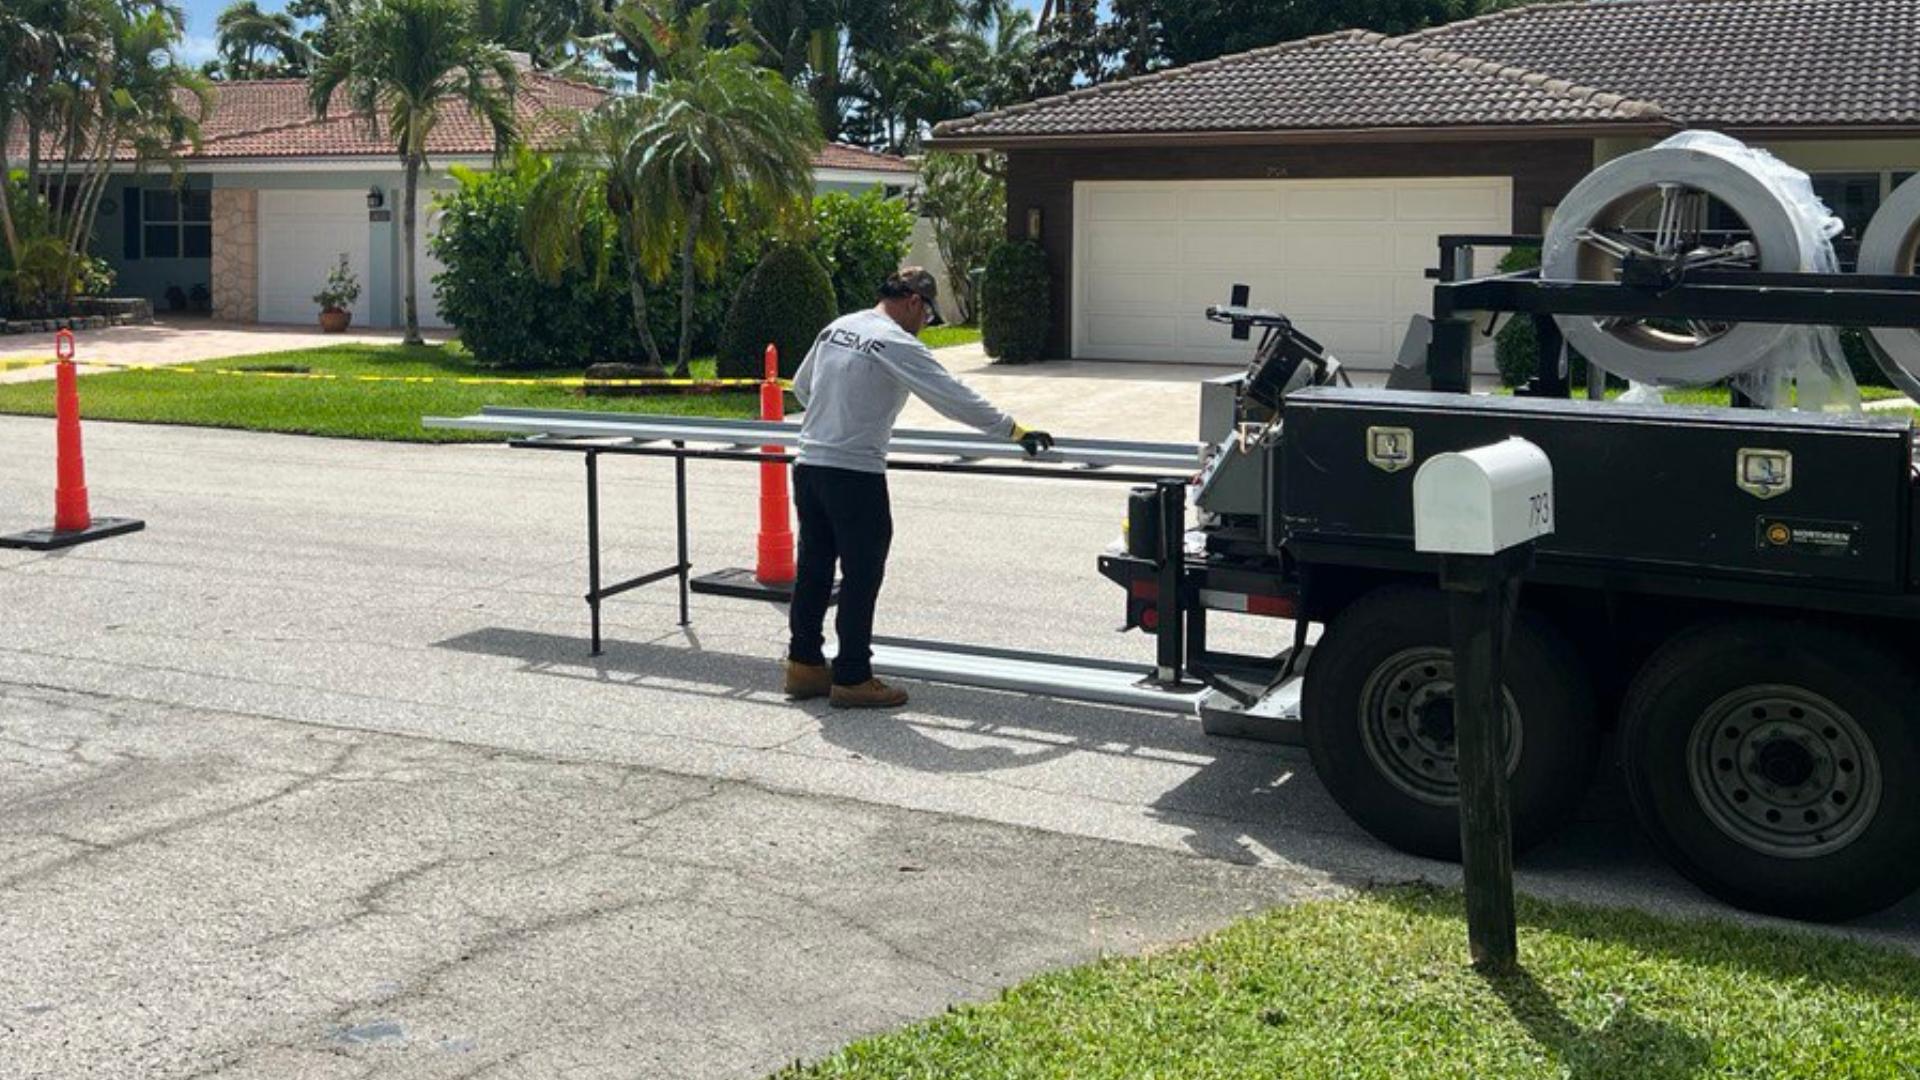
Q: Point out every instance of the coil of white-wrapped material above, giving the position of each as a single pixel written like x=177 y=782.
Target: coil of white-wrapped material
x=1790 y=229
x=1890 y=246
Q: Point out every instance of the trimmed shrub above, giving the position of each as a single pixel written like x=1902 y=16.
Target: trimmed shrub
x=509 y=318
x=1016 y=302
x=787 y=300
x=860 y=240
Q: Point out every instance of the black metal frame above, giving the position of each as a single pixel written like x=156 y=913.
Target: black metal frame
x=681 y=568
x=1856 y=300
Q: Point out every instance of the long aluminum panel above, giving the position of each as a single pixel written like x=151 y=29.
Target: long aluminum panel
x=1172 y=458
x=1062 y=677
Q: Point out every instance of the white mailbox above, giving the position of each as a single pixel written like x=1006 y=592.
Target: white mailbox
x=1483 y=501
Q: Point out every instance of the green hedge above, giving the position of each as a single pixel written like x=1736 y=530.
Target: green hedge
x=509 y=318
x=1016 y=302
x=860 y=240
x=787 y=300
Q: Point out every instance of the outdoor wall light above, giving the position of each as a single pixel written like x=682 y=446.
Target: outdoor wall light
x=1034 y=222
x=376 y=198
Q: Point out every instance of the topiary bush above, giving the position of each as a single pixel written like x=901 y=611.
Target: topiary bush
x=787 y=300
x=860 y=240
x=1016 y=302
x=509 y=318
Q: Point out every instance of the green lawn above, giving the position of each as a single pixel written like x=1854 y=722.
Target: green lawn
x=940 y=337
x=1378 y=987
x=343 y=406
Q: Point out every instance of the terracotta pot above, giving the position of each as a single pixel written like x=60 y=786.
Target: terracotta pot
x=334 y=320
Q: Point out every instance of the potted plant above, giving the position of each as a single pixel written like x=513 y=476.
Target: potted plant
x=337 y=296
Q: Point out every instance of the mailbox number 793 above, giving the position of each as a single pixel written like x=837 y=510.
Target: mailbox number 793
x=1540 y=510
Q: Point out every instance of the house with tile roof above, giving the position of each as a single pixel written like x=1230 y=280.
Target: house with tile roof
x=1322 y=171
x=274 y=196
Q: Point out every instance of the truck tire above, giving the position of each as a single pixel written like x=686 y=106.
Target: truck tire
x=1379 y=722
x=1774 y=764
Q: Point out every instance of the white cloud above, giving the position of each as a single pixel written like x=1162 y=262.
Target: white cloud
x=195 y=49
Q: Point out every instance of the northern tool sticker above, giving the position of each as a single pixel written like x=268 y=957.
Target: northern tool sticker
x=1802 y=536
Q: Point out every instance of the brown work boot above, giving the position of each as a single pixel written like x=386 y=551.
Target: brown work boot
x=872 y=694
x=806 y=681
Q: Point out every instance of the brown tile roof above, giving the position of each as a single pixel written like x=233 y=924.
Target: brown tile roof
x=843 y=156
x=269 y=118
x=1732 y=63
x=1334 y=82
x=1583 y=64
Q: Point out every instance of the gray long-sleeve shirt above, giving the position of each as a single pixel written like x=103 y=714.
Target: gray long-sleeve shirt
x=855 y=381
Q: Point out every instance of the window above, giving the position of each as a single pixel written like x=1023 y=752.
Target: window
x=1853 y=198
x=177 y=224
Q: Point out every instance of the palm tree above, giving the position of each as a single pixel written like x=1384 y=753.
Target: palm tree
x=720 y=134
x=410 y=61
x=245 y=32
x=593 y=189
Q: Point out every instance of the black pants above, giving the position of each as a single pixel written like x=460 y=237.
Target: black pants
x=845 y=517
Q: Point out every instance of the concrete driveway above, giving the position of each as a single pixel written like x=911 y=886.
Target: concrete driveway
x=172 y=340
x=315 y=778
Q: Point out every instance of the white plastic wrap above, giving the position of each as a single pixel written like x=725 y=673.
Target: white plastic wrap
x=1777 y=366
x=1890 y=246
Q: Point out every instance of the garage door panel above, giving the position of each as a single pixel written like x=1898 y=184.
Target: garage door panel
x=1443 y=203
x=1318 y=248
x=1202 y=289
x=302 y=235
x=1233 y=203
x=1121 y=292
x=1132 y=245
x=1142 y=331
x=1357 y=202
x=1228 y=244
x=1133 y=204
x=1346 y=259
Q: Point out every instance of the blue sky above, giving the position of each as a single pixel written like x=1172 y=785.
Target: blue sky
x=198 y=47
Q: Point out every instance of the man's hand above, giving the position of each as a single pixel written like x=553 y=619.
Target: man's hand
x=1033 y=442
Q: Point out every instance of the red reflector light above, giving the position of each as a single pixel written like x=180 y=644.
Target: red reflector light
x=1280 y=607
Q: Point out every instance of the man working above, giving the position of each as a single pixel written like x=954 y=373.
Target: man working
x=854 y=382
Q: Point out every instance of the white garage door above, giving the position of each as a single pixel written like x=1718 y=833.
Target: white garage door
x=302 y=236
x=1345 y=259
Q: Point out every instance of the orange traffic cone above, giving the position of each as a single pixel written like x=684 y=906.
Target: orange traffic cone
x=775 y=563
x=72 y=522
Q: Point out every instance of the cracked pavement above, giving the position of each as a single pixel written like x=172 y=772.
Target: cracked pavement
x=315 y=778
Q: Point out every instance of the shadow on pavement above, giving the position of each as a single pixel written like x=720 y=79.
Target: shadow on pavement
x=1231 y=800
x=1239 y=801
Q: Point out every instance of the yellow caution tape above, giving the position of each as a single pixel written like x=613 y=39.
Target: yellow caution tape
x=464 y=380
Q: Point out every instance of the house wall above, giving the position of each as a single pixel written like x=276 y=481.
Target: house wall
x=1542 y=172
x=235 y=269
x=382 y=284
x=148 y=278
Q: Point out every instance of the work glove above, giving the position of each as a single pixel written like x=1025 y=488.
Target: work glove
x=1033 y=442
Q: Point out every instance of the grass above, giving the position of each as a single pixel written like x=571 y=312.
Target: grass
x=940 y=337
x=1377 y=987
x=343 y=407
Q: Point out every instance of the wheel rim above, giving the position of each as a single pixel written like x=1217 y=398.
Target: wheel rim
x=1407 y=726
x=1784 y=771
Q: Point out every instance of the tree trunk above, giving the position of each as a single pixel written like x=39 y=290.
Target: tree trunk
x=689 y=282
x=6 y=195
x=412 y=227
x=637 y=291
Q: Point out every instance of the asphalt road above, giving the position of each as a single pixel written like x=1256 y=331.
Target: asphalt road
x=315 y=778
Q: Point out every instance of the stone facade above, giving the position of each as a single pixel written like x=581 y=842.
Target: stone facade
x=235 y=268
